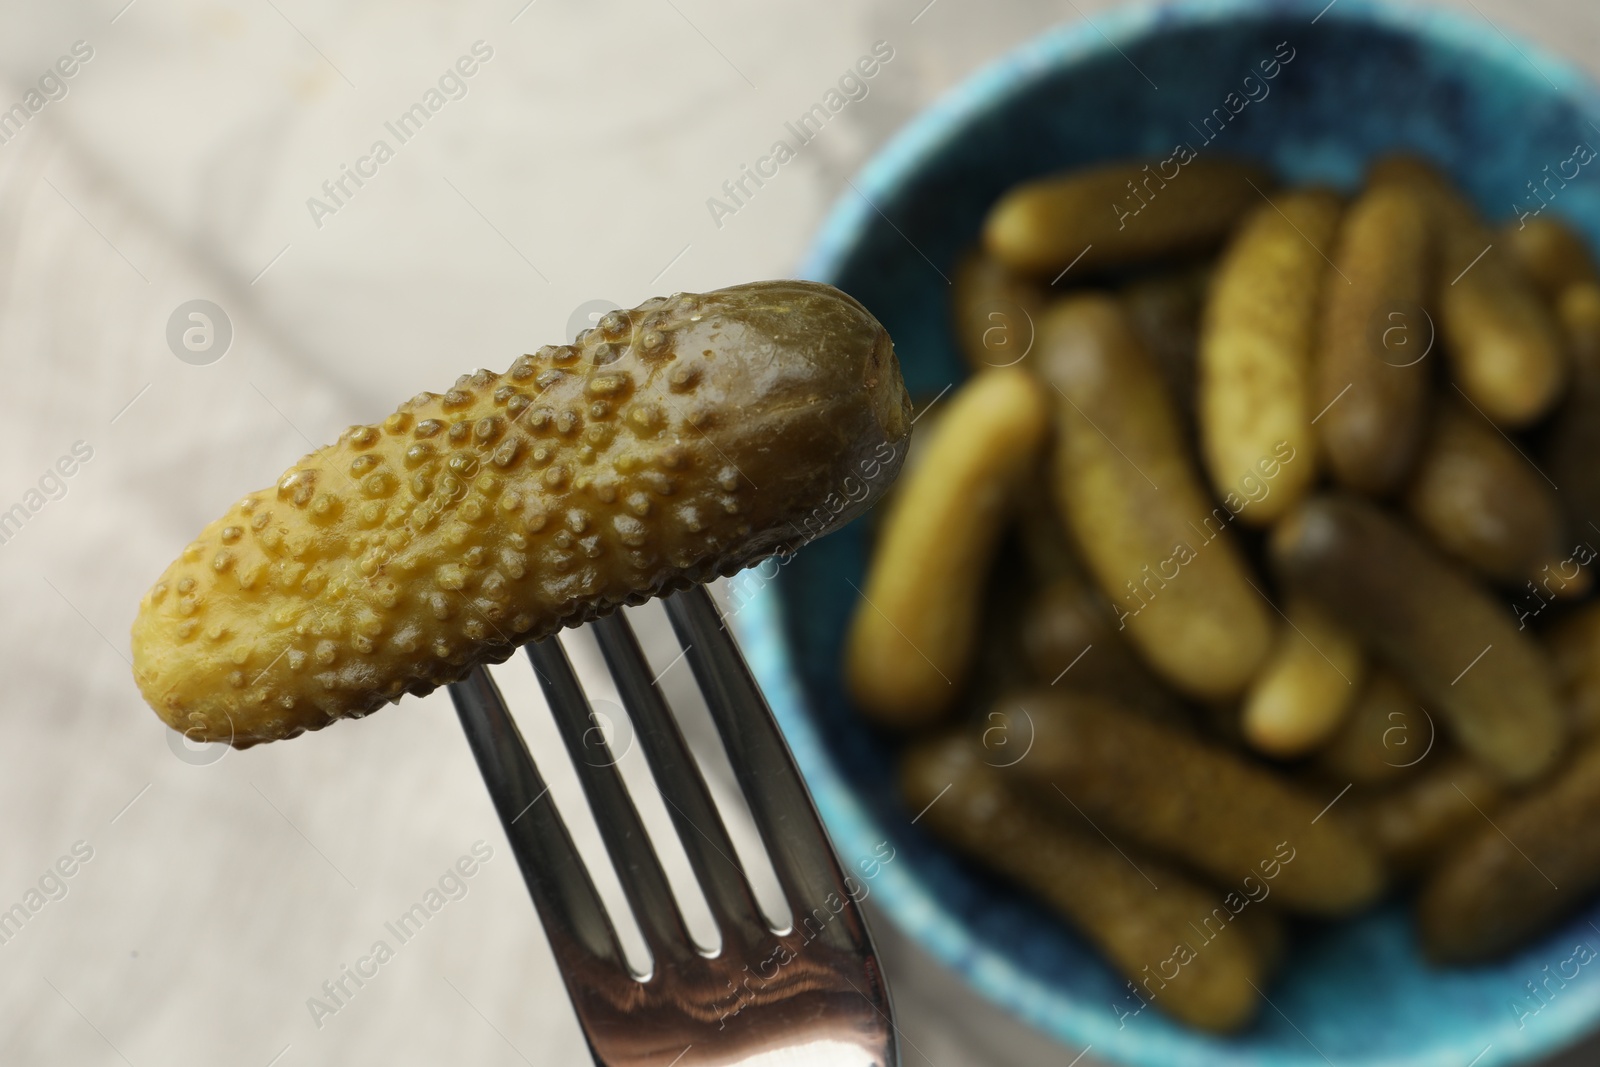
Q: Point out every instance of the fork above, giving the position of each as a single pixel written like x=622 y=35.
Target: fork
x=812 y=995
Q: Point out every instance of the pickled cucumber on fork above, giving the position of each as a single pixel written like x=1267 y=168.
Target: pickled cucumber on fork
x=681 y=440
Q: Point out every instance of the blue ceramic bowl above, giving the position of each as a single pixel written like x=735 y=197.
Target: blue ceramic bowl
x=1362 y=79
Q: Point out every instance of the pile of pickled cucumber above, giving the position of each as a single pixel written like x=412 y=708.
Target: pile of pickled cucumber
x=1247 y=576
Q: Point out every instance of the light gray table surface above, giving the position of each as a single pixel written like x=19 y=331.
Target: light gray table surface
x=177 y=163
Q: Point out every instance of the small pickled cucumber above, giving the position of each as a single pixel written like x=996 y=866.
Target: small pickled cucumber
x=683 y=439
x=1484 y=503
x=1372 y=367
x=1550 y=252
x=1120 y=213
x=1385 y=735
x=1415 y=822
x=995 y=312
x=910 y=643
x=1511 y=880
x=1256 y=386
x=1311 y=678
x=1067 y=630
x=1189 y=949
x=1183 y=797
x=1157 y=545
x=1433 y=626
x=1500 y=338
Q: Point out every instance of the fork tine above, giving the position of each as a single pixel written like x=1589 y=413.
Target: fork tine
x=644 y=883
x=801 y=856
x=575 y=921
x=700 y=827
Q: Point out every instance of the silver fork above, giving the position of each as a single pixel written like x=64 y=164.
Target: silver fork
x=810 y=996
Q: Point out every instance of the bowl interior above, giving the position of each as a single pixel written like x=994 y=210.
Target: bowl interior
x=1359 y=80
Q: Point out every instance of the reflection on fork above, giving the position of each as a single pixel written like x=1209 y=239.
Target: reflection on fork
x=810 y=996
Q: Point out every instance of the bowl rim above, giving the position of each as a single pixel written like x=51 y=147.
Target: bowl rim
x=760 y=626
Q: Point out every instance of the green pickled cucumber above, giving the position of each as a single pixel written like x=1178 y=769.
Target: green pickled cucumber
x=1195 y=952
x=995 y=312
x=1256 y=374
x=1372 y=366
x=675 y=442
x=1413 y=823
x=1386 y=735
x=1306 y=686
x=1120 y=213
x=1501 y=341
x=1126 y=483
x=1511 y=880
x=1478 y=498
x=911 y=641
x=1550 y=252
x=1436 y=628
x=1183 y=797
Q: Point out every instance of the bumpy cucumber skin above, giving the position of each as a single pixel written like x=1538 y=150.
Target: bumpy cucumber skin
x=673 y=443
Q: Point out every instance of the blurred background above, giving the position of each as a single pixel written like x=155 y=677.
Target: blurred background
x=203 y=151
